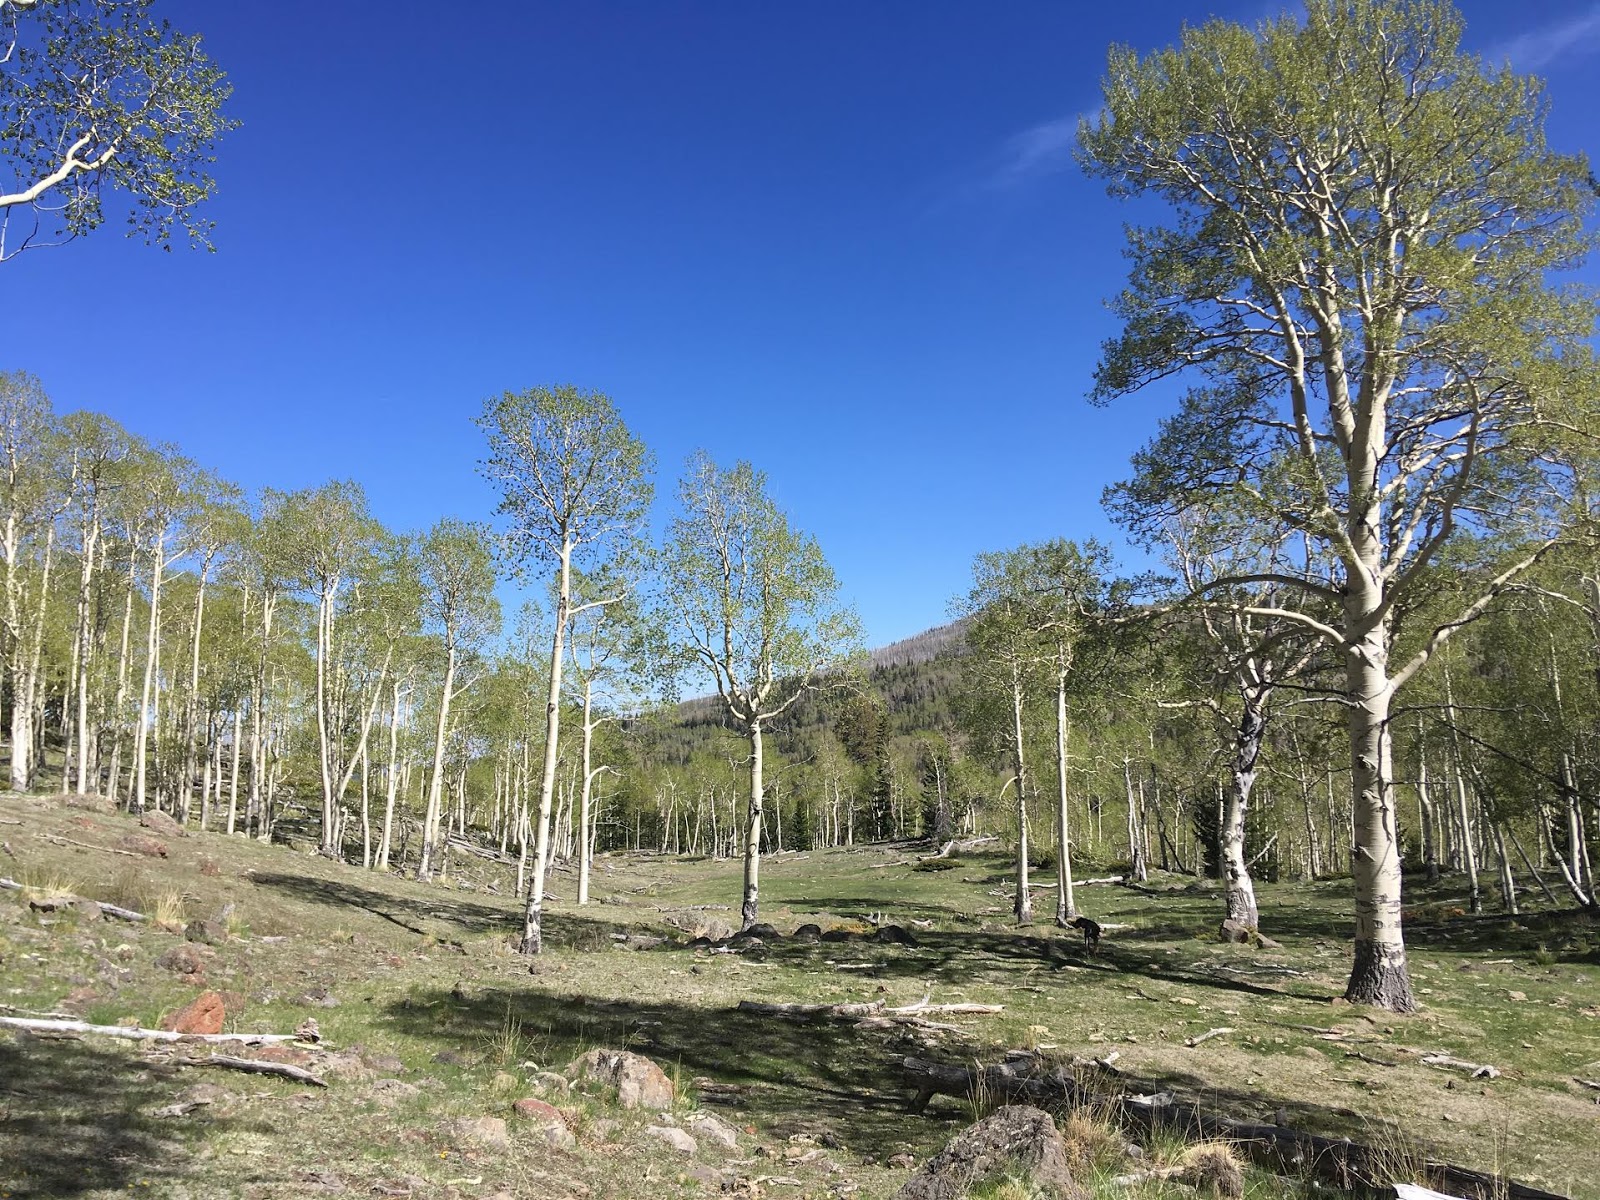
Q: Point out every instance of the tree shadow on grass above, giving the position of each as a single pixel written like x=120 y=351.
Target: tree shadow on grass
x=1008 y=959
x=425 y=915
x=796 y=1076
x=75 y=1119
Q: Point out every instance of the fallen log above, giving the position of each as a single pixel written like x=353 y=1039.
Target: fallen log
x=138 y=1034
x=254 y=1066
x=959 y=844
x=123 y=914
x=875 y=1014
x=922 y=1006
x=1207 y=1036
x=1476 y=1070
x=483 y=852
x=808 y=1012
x=1344 y=1163
x=58 y=840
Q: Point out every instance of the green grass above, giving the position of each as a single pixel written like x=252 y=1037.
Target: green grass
x=422 y=970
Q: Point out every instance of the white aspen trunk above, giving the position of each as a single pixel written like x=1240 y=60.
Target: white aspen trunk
x=1429 y=819
x=533 y=913
x=432 y=816
x=255 y=815
x=1066 y=902
x=84 y=641
x=1136 y=859
x=1508 y=880
x=588 y=788
x=148 y=704
x=749 y=907
x=330 y=832
x=366 y=813
x=1022 y=904
x=1379 y=975
x=120 y=702
x=206 y=775
x=233 y=773
x=1239 y=888
x=391 y=782
x=1469 y=850
x=191 y=719
x=25 y=698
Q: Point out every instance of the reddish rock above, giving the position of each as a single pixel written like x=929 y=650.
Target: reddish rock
x=147 y=846
x=536 y=1110
x=181 y=960
x=203 y=1014
x=161 y=823
x=89 y=802
x=210 y=869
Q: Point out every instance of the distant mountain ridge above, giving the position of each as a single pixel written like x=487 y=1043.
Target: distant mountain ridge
x=938 y=642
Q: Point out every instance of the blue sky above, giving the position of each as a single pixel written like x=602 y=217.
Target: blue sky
x=846 y=242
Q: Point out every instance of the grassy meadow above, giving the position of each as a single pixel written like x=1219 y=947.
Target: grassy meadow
x=429 y=1019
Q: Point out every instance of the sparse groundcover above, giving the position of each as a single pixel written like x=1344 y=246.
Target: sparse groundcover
x=432 y=1030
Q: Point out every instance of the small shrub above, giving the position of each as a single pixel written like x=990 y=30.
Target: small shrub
x=168 y=911
x=1213 y=1169
x=506 y=1046
x=1093 y=1143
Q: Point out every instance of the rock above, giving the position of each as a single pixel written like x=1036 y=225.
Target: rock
x=389 y=1064
x=203 y=1014
x=1241 y=934
x=894 y=935
x=321 y=997
x=701 y=925
x=160 y=823
x=79 y=998
x=209 y=933
x=639 y=1082
x=838 y=935
x=905 y=1160
x=1233 y=931
x=389 y=1092
x=672 y=1136
x=1012 y=1137
x=763 y=931
x=88 y=802
x=307 y=1031
x=181 y=960
x=484 y=1131
x=149 y=847
x=710 y=1127
x=640 y=941
x=551 y=1125
x=552 y=1082
x=50 y=904
x=209 y=869
x=535 y=1109
x=808 y=933
x=705 y=1176
x=453 y=1058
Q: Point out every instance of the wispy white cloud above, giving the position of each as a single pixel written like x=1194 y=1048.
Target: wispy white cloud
x=1039 y=150
x=1538 y=48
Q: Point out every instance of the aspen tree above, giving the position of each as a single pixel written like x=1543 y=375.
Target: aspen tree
x=1363 y=219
